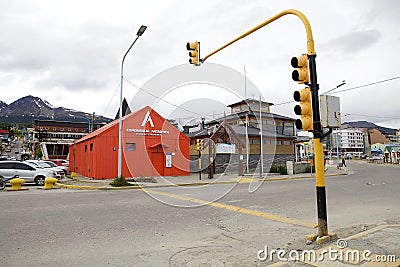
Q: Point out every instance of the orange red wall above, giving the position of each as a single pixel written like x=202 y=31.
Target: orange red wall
x=148 y=140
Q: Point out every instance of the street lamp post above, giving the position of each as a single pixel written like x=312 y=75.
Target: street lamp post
x=88 y=120
x=138 y=34
x=210 y=156
x=337 y=142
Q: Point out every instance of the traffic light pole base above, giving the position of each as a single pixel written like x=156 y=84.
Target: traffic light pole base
x=320 y=239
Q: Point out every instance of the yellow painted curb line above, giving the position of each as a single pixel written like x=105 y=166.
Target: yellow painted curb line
x=235 y=181
x=261 y=214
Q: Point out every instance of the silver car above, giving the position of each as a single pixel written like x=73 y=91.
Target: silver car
x=25 y=170
x=42 y=164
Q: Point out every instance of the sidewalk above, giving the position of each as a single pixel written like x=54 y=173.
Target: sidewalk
x=81 y=182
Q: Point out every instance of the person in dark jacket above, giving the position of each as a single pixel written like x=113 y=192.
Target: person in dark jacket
x=343 y=163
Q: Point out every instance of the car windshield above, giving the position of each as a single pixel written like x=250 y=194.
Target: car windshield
x=51 y=164
x=43 y=164
x=34 y=164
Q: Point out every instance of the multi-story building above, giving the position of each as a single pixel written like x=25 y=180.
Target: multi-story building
x=348 y=141
x=398 y=136
x=376 y=136
x=258 y=132
x=56 y=136
x=352 y=140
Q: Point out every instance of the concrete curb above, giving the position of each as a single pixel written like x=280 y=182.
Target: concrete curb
x=105 y=188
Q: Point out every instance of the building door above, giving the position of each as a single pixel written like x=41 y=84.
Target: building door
x=157 y=159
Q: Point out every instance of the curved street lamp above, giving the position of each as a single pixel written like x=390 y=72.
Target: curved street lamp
x=81 y=117
x=138 y=34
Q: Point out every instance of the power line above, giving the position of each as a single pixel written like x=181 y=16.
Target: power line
x=284 y=103
x=108 y=105
x=365 y=85
x=158 y=98
x=348 y=89
x=370 y=116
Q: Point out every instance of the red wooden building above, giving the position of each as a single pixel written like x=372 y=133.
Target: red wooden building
x=151 y=146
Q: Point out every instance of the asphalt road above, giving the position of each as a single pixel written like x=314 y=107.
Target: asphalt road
x=179 y=227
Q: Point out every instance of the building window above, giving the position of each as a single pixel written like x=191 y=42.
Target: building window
x=76 y=130
x=46 y=128
x=69 y=129
x=85 y=148
x=62 y=129
x=130 y=146
x=54 y=128
x=91 y=147
x=286 y=143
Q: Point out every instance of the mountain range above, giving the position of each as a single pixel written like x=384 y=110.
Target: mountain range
x=28 y=108
x=370 y=125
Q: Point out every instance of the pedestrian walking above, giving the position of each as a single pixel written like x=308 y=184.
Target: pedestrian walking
x=344 y=162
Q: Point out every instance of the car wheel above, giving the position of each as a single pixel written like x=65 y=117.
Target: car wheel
x=2 y=185
x=39 y=180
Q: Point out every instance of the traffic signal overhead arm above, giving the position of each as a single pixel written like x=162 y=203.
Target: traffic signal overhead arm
x=303 y=18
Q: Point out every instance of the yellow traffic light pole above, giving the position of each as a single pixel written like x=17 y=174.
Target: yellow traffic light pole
x=317 y=129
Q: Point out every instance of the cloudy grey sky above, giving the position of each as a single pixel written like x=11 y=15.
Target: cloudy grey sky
x=70 y=52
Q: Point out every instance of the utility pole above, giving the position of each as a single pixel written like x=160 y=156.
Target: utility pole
x=92 y=128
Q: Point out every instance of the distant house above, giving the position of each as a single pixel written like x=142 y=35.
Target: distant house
x=390 y=152
x=245 y=121
x=4 y=135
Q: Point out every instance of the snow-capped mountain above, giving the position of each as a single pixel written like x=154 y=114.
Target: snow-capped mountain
x=27 y=108
x=2 y=105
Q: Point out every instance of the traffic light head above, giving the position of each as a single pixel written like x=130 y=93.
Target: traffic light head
x=194 y=52
x=304 y=109
x=199 y=144
x=300 y=75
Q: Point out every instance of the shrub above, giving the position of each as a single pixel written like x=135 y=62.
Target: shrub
x=120 y=181
x=310 y=169
x=278 y=169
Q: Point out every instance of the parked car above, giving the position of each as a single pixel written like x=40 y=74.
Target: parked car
x=60 y=162
x=25 y=170
x=41 y=164
x=62 y=167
